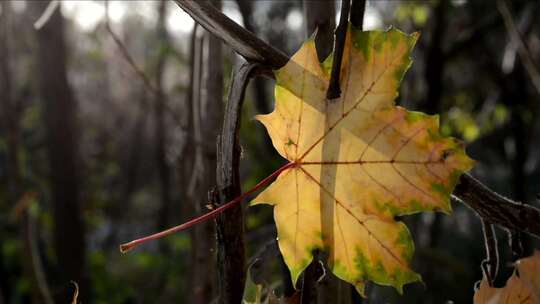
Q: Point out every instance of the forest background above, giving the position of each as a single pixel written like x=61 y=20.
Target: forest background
x=108 y=131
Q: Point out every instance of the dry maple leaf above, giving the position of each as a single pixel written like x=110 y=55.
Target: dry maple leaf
x=522 y=289
x=355 y=163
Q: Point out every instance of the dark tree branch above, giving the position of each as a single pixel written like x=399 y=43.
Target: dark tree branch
x=358 y=8
x=334 y=91
x=496 y=208
x=312 y=274
x=490 y=265
x=468 y=38
x=242 y=41
x=516 y=244
x=230 y=224
x=523 y=50
x=262 y=102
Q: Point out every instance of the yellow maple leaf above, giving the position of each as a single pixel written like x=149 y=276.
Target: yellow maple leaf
x=522 y=289
x=355 y=162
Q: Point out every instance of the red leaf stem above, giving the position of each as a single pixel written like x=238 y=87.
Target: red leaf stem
x=128 y=246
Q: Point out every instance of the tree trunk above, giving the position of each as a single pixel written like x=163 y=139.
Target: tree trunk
x=60 y=114
x=207 y=106
x=30 y=259
x=131 y=165
x=432 y=104
x=160 y=129
x=200 y=284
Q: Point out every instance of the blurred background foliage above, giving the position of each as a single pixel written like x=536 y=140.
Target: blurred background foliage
x=136 y=152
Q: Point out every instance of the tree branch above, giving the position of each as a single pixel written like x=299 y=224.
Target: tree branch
x=334 y=90
x=516 y=244
x=472 y=35
x=125 y=53
x=47 y=13
x=240 y=40
x=358 y=8
x=230 y=224
x=517 y=38
x=496 y=208
x=131 y=62
x=490 y=265
x=488 y=204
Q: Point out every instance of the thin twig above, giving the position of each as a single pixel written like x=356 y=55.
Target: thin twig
x=151 y=87
x=490 y=265
x=334 y=91
x=127 y=56
x=47 y=13
x=358 y=7
x=75 y=292
x=517 y=38
x=466 y=39
x=516 y=245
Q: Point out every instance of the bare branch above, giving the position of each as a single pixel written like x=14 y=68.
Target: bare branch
x=358 y=8
x=490 y=265
x=334 y=91
x=517 y=38
x=496 y=208
x=468 y=37
x=125 y=53
x=242 y=41
x=127 y=56
x=230 y=224
x=47 y=13
x=516 y=244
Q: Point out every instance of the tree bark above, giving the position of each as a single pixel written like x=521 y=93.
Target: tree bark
x=60 y=114
x=210 y=117
x=160 y=130
x=200 y=283
x=10 y=118
x=230 y=224
x=435 y=65
x=358 y=8
x=208 y=109
x=243 y=42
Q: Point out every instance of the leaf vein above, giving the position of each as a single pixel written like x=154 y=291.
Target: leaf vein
x=362 y=223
